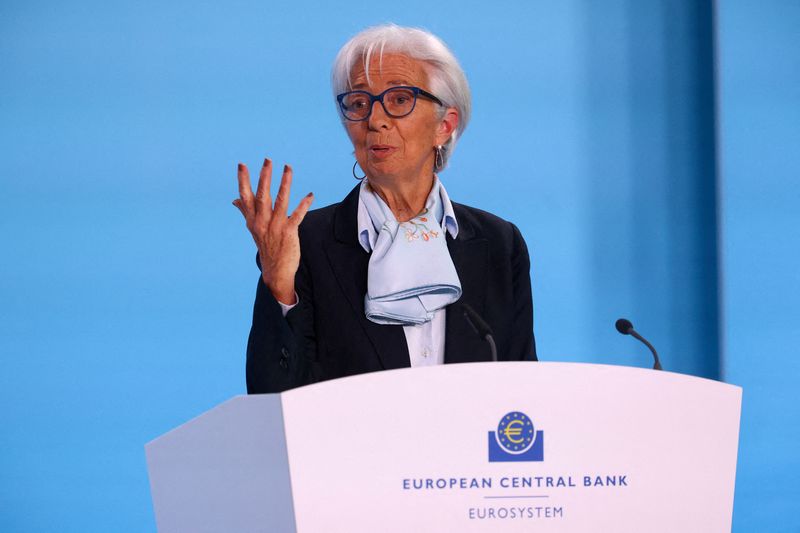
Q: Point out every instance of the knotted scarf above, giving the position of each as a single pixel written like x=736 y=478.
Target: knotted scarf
x=410 y=274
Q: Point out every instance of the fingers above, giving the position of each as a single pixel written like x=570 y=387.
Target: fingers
x=245 y=190
x=300 y=213
x=238 y=205
x=263 y=198
x=282 y=200
x=258 y=209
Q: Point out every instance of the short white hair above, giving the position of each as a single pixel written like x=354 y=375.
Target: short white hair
x=446 y=77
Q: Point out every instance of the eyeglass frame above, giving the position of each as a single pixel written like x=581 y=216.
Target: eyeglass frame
x=379 y=98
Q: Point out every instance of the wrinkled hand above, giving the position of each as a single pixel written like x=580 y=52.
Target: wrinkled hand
x=275 y=234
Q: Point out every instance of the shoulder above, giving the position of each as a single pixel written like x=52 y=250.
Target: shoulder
x=320 y=218
x=317 y=226
x=478 y=217
x=336 y=221
x=478 y=223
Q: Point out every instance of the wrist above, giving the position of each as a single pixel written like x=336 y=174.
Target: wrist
x=284 y=293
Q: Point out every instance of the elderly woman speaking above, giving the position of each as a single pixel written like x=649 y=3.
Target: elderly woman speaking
x=379 y=280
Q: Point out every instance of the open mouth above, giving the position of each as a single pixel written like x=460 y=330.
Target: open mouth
x=381 y=150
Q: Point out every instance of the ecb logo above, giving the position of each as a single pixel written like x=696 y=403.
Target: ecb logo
x=516 y=440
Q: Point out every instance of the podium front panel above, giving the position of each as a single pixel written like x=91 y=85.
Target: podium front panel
x=513 y=447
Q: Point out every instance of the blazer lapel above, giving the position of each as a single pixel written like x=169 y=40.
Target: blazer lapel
x=350 y=262
x=470 y=256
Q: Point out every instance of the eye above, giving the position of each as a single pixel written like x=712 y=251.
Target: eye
x=401 y=97
x=356 y=101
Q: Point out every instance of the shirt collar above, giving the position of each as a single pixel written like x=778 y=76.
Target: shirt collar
x=367 y=234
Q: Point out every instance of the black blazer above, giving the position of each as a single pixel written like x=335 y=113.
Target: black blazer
x=327 y=335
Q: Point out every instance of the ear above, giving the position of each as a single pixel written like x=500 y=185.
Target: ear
x=447 y=126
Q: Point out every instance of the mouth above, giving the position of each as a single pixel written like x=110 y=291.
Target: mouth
x=381 y=150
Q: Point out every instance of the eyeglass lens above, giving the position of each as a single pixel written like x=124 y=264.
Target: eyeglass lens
x=397 y=103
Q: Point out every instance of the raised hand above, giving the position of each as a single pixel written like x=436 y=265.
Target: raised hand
x=274 y=233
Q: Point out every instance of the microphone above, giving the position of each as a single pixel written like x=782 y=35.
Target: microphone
x=481 y=328
x=625 y=327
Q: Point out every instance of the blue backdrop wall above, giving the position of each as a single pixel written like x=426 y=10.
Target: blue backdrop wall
x=760 y=193
x=127 y=278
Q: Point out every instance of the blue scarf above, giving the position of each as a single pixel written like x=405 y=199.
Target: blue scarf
x=411 y=274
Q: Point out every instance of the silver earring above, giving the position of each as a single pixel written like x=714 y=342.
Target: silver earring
x=354 y=172
x=438 y=162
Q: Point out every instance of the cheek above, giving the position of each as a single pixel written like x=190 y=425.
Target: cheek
x=356 y=136
x=420 y=137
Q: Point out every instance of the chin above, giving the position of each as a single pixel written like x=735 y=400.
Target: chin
x=382 y=169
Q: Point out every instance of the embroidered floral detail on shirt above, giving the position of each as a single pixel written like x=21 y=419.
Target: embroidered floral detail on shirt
x=418 y=228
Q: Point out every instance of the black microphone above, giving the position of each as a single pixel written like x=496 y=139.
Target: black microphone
x=481 y=328
x=625 y=327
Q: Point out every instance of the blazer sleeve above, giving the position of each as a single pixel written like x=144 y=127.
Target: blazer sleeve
x=523 y=342
x=281 y=350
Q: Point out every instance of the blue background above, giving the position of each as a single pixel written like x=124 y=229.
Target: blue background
x=646 y=149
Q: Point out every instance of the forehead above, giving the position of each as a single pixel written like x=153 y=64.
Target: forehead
x=388 y=69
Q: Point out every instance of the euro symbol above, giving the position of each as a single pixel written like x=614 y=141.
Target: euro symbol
x=514 y=429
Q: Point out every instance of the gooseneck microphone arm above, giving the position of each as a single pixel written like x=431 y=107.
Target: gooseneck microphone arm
x=625 y=327
x=481 y=328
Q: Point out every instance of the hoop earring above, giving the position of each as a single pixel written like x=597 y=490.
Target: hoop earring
x=354 y=172
x=438 y=162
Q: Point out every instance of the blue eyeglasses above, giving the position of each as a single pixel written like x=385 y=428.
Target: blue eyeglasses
x=396 y=101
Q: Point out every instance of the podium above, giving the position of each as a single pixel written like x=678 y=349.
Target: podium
x=504 y=446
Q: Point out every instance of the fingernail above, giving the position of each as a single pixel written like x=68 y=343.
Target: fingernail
x=240 y=166
x=266 y=161
x=309 y=195
x=285 y=168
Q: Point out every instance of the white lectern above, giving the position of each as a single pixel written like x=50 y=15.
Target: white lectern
x=471 y=447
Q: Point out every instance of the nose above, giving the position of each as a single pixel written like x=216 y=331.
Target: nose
x=378 y=118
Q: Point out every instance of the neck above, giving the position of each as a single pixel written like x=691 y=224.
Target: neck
x=406 y=198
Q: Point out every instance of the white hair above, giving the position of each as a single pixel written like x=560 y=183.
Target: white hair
x=447 y=80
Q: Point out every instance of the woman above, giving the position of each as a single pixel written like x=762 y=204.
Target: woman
x=378 y=281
